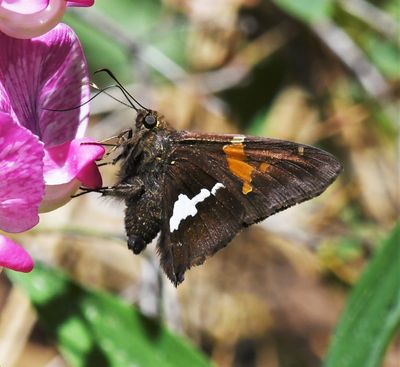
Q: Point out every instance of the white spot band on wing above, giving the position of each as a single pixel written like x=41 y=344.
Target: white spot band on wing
x=185 y=207
x=238 y=139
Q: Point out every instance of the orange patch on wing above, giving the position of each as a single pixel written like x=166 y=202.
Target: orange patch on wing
x=264 y=167
x=246 y=188
x=235 y=151
x=236 y=159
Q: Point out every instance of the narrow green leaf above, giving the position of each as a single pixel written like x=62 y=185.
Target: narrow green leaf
x=372 y=313
x=98 y=329
x=308 y=11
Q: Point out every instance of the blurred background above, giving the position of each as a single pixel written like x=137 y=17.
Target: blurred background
x=320 y=72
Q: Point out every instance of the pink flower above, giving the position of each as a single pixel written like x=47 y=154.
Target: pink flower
x=42 y=158
x=32 y=18
x=21 y=176
x=13 y=256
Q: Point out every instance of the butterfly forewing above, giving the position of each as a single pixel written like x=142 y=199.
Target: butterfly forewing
x=215 y=185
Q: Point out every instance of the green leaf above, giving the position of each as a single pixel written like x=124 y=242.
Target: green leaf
x=372 y=313
x=97 y=329
x=308 y=11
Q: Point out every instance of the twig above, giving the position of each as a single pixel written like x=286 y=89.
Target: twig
x=371 y=15
x=353 y=57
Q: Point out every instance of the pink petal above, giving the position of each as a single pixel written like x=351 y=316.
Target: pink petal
x=90 y=176
x=58 y=195
x=45 y=72
x=24 y=6
x=13 y=256
x=80 y=3
x=21 y=176
x=68 y=166
x=28 y=19
x=71 y=160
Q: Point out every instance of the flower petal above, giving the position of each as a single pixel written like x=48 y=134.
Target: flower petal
x=80 y=3
x=24 y=6
x=58 y=195
x=21 y=176
x=70 y=160
x=45 y=72
x=13 y=256
x=28 y=19
x=66 y=167
x=90 y=176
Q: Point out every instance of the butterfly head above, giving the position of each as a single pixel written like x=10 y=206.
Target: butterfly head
x=147 y=118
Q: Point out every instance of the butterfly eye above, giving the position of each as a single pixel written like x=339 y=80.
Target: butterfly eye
x=150 y=121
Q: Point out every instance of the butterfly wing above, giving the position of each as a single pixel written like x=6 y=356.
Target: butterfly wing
x=215 y=185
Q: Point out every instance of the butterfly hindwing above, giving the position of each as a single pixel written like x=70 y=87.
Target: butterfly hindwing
x=215 y=185
x=199 y=217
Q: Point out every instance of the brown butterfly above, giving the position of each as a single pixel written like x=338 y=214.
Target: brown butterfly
x=200 y=190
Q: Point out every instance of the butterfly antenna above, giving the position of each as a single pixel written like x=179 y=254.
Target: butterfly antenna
x=104 y=90
x=123 y=89
x=100 y=91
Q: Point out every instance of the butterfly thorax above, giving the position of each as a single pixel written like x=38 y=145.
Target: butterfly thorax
x=147 y=150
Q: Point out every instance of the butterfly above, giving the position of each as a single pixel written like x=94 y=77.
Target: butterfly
x=199 y=190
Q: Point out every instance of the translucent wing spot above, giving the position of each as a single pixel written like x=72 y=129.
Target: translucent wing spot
x=185 y=207
x=300 y=150
x=238 y=139
x=216 y=187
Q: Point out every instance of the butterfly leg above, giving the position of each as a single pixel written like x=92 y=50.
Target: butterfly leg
x=87 y=190
x=125 y=190
x=122 y=139
x=113 y=162
x=120 y=190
